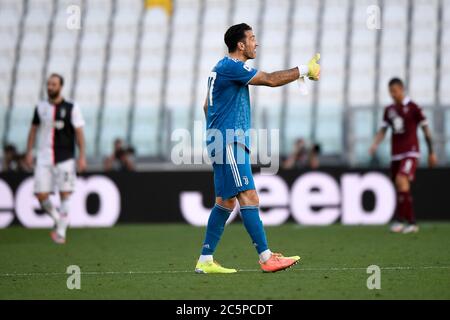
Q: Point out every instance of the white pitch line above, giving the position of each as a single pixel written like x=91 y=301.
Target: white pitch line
x=357 y=268
x=100 y=273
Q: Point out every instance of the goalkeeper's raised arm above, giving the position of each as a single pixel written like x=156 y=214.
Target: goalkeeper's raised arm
x=280 y=78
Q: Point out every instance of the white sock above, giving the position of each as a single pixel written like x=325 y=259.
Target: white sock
x=64 y=208
x=265 y=255
x=50 y=209
x=205 y=258
x=61 y=227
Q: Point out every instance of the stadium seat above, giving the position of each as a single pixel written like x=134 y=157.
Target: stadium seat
x=330 y=87
x=182 y=56
x=21 y=120
x=361 y=82
x=32 y=55
x=393 y=45
x=298 y=121
x=11 y=9
x=10 y=15
x=298 y=110
x=5 y=81
x=246 y=11
x=445 y=61
x=90 y=117
x=121 y=63
x=329 y=129
x=88 y=88
x=93 y=45
x=144 y=135
x=333 y=54
x=181 y=89
x=271 y=57
x=2 y=127
x=149 y=83
x=62 y=48
x=115 y=125
x=423 y=55
x=212 y=47
x=363 y=123
x=28 y=87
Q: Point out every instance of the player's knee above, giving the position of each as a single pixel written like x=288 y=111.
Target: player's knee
x=42 y=196
x=402 y=183
x=249 y=198
x=65 y=195
x=228 y=203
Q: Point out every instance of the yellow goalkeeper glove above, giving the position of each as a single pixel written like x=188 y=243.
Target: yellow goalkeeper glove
x=314 y=68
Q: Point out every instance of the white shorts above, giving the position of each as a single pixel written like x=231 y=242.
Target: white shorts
x=62 y=175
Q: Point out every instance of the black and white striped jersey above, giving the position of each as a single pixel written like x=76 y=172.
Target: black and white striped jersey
x=56 y=133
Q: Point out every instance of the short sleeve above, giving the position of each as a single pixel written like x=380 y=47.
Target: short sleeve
x=385 y=122
x=242 y=73
x=77 y=117
x=36 y=120
x=420 y=117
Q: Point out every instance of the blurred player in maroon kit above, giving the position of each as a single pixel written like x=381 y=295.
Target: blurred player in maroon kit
x=404 y=116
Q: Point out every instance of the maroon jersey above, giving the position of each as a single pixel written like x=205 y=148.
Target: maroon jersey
x=404 y=120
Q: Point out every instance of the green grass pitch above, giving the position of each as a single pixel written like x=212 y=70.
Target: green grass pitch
x=157 y=262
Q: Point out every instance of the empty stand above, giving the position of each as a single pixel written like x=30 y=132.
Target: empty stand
x=163 y=84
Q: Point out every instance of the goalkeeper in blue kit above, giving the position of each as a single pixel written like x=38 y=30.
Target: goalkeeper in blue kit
x=227 y=109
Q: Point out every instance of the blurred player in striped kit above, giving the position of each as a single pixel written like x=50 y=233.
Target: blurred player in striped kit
x=58 y=125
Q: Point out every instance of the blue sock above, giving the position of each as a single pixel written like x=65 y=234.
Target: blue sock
x=216 y=224
x=254 y=226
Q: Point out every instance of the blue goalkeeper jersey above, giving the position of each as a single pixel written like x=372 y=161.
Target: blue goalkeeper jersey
x=229 y=100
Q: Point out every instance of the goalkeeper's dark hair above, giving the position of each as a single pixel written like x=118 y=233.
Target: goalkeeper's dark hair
x=235 y=34
x=396 y=81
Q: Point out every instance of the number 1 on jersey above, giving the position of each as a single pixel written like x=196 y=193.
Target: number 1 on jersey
x=211 y=80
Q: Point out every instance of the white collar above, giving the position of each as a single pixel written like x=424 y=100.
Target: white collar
x=406 y=100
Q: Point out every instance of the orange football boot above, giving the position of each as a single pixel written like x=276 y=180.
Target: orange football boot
x=278 y=262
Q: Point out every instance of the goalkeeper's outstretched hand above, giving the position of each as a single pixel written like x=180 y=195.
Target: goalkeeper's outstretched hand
x=314 y=68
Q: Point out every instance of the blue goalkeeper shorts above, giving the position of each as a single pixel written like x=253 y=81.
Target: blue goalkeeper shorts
x=234 y=174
